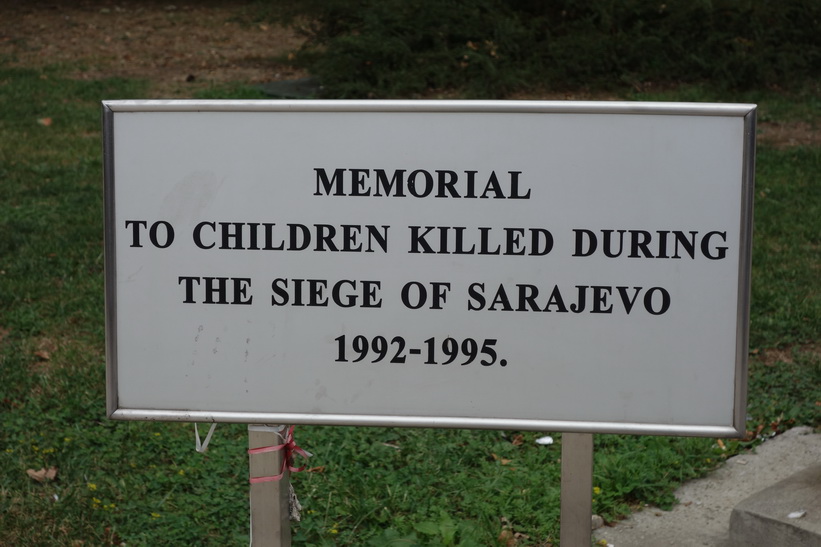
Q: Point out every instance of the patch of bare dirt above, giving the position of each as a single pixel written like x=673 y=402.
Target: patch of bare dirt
x=774 y=356
x=771 y=357
x=178 y=46
x=788 y=134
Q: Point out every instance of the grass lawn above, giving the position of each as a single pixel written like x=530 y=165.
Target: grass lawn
x=142 y=483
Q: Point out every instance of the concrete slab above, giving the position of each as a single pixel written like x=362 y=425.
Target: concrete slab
x=787 y=513
x=702 y=518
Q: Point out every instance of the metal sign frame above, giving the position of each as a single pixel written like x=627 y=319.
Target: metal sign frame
x=734 y=426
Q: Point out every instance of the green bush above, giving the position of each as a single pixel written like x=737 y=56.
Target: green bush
x=489 y=48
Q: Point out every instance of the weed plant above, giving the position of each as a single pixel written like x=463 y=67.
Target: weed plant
x=142 y=483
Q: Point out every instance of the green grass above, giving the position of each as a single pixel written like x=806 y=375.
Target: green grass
x=786 y=302
x=142 y=483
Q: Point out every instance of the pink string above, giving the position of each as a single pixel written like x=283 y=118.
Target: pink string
x=290 y=447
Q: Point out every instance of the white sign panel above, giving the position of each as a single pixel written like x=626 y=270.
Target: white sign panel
x=518 y=265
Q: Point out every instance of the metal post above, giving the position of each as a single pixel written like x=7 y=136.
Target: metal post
x=270 y=513
x=577 y=489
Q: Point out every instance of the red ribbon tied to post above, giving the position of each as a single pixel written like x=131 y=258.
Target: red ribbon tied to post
x=290 y=448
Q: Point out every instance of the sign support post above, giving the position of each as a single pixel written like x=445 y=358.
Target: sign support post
x=459 y=241
x=576 y=489
x=270 y=512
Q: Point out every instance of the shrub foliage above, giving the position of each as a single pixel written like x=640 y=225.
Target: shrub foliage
x=381 y=48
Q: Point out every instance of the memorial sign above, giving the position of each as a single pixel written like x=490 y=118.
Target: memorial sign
x=562 y=266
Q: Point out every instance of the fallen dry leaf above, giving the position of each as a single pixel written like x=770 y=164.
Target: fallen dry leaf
x=46 y=122
x=518 y=440
x=506 y=538
x=503 y=461
x=43 y=474
x=43 y=355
